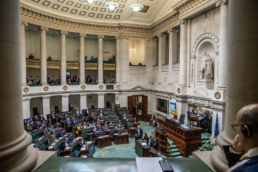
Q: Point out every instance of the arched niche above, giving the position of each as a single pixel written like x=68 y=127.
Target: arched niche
x=203 y=61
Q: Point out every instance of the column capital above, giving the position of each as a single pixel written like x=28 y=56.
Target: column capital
x=46 y=97
x=182 y=22
x=26 y=98
x=63 y=32
x=83 y=34
x=221 y=3
x=43 y=28
x=150 y=38
x=161 y=35
x=118 y=37
x=100 y=36
x=24 y=23
x=124 y=37
x=65 y=95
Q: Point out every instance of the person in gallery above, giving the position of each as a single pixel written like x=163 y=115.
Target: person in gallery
x=242 y=155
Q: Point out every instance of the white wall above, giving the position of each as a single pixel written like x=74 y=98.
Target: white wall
x=53 y=45
x=32 y=43
x=91 y=48
x=109 y=49
x=72 y=48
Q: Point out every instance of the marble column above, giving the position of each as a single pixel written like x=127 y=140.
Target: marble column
x=124 y=59
x=26 y=107
x=23 y=53
x=118 y=67
x=63 y=57
x=162 y=53
x=82 y=59
x=16 y=152
x=43 y=58
x=46 y=105
x=117 y=98
x=183 y=54
x=170 y=55
x=241 y=72
x=65 y=103
x=149 y=48
x=101 y=100
x=83 y=101
x=223 y=43
x=100 y=60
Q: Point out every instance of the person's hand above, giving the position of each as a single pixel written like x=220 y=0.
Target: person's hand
x=237 y=145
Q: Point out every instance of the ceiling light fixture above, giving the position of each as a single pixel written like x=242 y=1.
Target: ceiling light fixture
x=90 y=1
x=136 y=7
x=111 y=5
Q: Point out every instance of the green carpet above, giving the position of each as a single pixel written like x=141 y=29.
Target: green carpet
x=123 y=150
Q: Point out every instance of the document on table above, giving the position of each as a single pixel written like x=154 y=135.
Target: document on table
x=148 y=164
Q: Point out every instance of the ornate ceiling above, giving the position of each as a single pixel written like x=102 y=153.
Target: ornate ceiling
x=153 y=10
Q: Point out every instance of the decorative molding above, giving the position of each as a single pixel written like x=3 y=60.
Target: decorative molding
x=101 y=87
x=83 y=87
x=26 y=89
x=208 y=36
x=45 y=88
x=65 y=87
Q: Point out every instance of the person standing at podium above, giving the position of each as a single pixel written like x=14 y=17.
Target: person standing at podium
x=138 y=133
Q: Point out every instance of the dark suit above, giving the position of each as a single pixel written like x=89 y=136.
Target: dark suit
x=138 y=134
x=251 y=165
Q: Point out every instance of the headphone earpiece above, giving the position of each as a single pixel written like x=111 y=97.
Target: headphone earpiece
x=245 y=132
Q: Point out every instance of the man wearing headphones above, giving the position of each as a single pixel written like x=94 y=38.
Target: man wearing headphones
x=242 y=155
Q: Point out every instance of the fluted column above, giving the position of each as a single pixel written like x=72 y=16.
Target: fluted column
x=183 y=54
x=170 y=54
x=46 y=105
x=82 y=59
x=65 y=103
x=43 y=59
x=101 y=101
x=162 y=53
x=83 y=101
x=26 y=107
x=223 y=43
x=241 y=72
x=118 y=67
x=23 y=53
x=63 y=57
x=16 y=154
x=100 y=60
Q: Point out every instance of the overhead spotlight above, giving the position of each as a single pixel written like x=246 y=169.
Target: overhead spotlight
x=111 y=5
x=90 y=1
x=136 y=7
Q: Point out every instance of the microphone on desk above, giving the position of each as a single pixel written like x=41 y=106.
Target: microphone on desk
x=165 y=166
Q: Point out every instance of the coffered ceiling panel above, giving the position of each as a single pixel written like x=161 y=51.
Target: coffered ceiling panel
x=96 y=12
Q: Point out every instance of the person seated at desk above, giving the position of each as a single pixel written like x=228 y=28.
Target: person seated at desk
x=41 y=117
x=52 y=116
x=36 y=118
x=70 y=139
x=98 y=127
x=138 y=133
x=91 y=124
x=155 y=144
x=62 y=133
x=146 y=138
x=244 y=148
x=51 y=128
x=52 y=138
x=105 y=127
x=28 y=128
x=37 y=126
x=74 y=121
x=94 y=134
x=84 y=125
x=68 y=125
x=29 y=121
x=124 y=117
x=150 y=141
x=57 y=126
x=101 y=113
x=78 y=128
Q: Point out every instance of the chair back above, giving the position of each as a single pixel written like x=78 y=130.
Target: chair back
x=182 y=118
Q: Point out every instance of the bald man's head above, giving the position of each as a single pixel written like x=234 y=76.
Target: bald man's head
x=248 y=115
